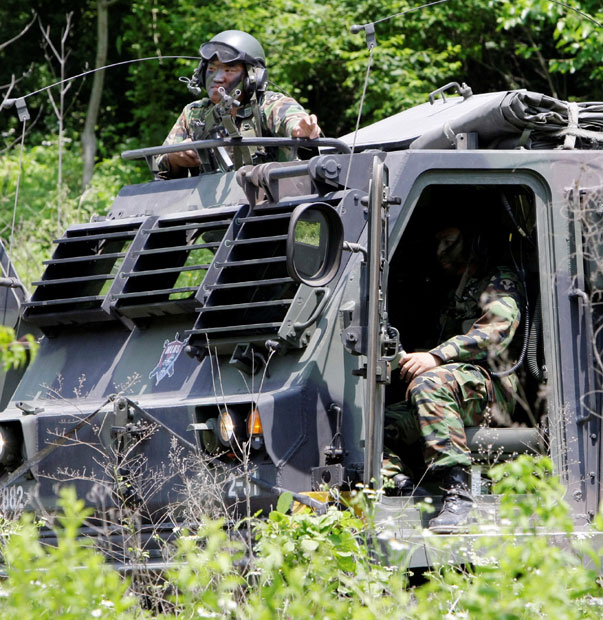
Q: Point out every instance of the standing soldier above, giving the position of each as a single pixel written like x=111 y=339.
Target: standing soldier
x=450 y=386
x=233 y=72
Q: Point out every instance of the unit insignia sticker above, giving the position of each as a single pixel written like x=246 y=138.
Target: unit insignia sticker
x=171 y=352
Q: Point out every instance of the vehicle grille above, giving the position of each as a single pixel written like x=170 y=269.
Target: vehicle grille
x=249 y=293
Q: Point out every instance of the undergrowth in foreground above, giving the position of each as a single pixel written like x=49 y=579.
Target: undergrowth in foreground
x=329 y=566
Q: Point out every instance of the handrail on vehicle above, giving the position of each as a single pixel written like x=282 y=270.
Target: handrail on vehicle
x=151 y=151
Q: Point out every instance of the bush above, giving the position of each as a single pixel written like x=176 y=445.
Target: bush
x=67 y=581
x=305 y=565
x=533 y=566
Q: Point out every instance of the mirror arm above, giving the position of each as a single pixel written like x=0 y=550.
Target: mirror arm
x=326 y=294
x=356 y=247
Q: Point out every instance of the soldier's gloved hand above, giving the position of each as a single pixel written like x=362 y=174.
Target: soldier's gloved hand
x=307 y=128
x=184 y=159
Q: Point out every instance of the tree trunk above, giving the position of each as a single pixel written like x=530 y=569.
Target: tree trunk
x=89 y=135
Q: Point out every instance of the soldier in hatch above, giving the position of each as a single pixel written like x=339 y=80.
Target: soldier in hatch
x=233 y=71
x=450 y=386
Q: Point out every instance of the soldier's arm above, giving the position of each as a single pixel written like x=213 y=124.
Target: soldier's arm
x=175 y=165
x=492 y=332
x=285 y=117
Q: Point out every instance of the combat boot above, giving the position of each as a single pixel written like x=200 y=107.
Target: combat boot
x=405 y=487
x=457 y=502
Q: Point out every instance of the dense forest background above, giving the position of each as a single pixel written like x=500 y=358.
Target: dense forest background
x=541 y=45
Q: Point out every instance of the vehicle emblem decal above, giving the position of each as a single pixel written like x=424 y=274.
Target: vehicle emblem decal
x=171 y=352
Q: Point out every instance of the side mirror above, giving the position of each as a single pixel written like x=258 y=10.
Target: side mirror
x=314 y=244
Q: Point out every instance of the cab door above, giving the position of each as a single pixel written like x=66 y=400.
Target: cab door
x=586 y=293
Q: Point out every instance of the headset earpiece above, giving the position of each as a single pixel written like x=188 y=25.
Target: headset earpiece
x=199 y=74
x=255 y=81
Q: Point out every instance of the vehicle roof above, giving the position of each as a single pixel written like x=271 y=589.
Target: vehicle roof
x=402 y=129
x=506 y=119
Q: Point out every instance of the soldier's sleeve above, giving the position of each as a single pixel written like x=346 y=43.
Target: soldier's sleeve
x=178 y=133
x=493 y=331
x=281 y=114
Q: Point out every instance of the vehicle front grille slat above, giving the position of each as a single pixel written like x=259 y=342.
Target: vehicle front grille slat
x=72 y=280
x=84 y=259
x=258 y=240
x=165 y=291
x=252 y=261
x=263 y=218
x=247 y=283
x=83 y=238
x=68 y=300
x=195 y=226
x=258 y=304
x=179 y=248
x=151 y=272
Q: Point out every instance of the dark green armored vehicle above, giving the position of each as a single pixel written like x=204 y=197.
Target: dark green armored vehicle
x=239 y=326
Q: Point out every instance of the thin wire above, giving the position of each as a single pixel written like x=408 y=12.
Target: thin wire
x=366 y=78
x=116 y=64
x=423 y=6
x=12 y=229
x=414 y=8
x=582 y=13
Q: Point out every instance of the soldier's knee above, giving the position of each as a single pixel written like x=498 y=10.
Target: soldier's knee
x=430 y=383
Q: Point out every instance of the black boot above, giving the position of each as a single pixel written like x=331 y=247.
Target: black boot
x=405 y=487
x=457 y=502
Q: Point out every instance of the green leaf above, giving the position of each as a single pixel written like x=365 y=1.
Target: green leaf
x=285 y=501
x=309 y=545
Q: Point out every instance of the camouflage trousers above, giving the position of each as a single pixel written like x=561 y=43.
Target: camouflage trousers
x=441 y=402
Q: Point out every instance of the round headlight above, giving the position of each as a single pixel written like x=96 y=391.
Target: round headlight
x=9 y=445
x=226 y=427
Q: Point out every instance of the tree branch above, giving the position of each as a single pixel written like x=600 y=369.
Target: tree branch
x=7 y=43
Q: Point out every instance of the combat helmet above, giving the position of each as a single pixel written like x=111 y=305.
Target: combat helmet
x=237 y=46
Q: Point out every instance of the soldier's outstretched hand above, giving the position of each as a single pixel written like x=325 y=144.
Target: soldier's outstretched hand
x=307 y=128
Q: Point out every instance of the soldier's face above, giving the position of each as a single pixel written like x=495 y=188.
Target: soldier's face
x=220 y=74
x=451 y=250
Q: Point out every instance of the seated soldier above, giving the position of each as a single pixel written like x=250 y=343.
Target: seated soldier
x=451 y=386
x=233 y=71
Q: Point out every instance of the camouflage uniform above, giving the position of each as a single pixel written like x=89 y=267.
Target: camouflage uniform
x=460 y=392
x=278 y=115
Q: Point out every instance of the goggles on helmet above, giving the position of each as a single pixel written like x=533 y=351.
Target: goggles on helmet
x=225 y=53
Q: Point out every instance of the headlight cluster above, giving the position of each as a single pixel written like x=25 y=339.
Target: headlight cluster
x=233 y=429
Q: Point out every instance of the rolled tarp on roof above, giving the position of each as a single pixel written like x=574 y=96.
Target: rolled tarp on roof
x=521 y=118
x=507 y=119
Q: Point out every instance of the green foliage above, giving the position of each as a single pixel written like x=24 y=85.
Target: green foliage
x=207 y=581
x=15 y=353
x=303 y=565
x=69 y=581
x=532 y=566
x=311 y=566
x=578 y=40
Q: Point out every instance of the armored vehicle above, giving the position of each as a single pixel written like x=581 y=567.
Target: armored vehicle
x=241 y=324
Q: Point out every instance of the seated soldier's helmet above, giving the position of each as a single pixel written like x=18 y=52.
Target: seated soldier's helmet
x=237 y=46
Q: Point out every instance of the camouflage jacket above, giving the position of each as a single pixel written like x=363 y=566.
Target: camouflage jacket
x=479 y=324
x=278 y=115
